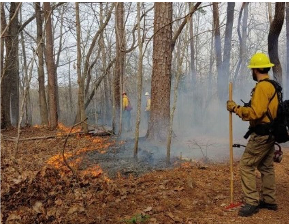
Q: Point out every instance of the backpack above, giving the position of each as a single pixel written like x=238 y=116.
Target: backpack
x=279 y=125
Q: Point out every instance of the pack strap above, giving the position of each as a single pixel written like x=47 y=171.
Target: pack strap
x=264 y=129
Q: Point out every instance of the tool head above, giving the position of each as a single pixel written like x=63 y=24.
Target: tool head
x=233 y=206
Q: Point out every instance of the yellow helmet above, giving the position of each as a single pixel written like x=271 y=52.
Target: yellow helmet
x=260 y=60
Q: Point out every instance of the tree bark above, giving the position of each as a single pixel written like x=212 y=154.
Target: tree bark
x=242 y=39
x=180 y=57
x=227 y=50
x=275 y=30
x=192 y=48
x=2 y=27
x=10 y=78
x=80 y=77
x=161 y=76
x=218 y=49
x=28 y=106
x=139 y=82
x=119 y=66
x=41 y=74
x=106 y=109
x=52 y=80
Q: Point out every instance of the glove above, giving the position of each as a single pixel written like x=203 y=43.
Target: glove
x=231 y=105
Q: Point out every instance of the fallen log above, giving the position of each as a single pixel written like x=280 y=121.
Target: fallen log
x=63 y=135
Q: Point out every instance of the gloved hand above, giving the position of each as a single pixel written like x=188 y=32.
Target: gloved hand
x=231 y=105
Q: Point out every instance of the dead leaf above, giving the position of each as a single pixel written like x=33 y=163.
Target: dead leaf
x=58 y=202
x=148 y=209
x=17 y=180
x=179 y=188
x=38 y=207
x=174 y=218
x=13 y=217
x=76 y=209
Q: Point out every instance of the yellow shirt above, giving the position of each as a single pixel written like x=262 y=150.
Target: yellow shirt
x=261 y=95
x=148 y=106
x=124 y=102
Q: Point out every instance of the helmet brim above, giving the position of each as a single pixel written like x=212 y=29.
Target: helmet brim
x=261 y=66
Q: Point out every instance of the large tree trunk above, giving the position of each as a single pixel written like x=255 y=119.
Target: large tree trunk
x=52 y=80
x=119 y=65
x=10 y=78
x=161 y=76
x=41 y=76
x=2 y=27
x=275 y=30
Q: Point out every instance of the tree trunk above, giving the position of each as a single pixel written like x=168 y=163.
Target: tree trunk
x=119 y=66
x=10 y=79
x=180 y=57
x=270 y=12
x=243 y=47
x=161 y=76
x=242 y=39
x=275 y=30
x=139 y=82
x=69 y=88
x=80 y=78
x=105 y=110
x=210 y=91
x=28 y=111
x=218 y=49
x=3 y=119
x=52 y=80
x=287 y=49
x=41 y=75
x=227 y=49
x=192 y=47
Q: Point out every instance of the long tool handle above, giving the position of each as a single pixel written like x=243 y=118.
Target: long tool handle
x=231 y=144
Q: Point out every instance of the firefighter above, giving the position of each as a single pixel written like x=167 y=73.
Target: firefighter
x=126 y=108
x=148 y=106
x=259 y=151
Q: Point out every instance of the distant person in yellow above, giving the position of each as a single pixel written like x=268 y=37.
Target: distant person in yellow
x=126 y=108
x=148 y=106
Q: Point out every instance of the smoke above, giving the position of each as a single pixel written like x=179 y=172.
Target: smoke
x=201 y=122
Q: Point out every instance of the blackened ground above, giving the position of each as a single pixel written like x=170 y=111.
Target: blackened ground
x=119 y=159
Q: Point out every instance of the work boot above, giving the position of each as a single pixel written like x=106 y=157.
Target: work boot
x=248 y=210
x=263 y=204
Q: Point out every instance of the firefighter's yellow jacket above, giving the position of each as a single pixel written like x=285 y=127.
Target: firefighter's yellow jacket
x=261 y=95
x=125 y=102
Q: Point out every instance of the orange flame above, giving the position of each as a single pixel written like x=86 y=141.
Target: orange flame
x=99 y=144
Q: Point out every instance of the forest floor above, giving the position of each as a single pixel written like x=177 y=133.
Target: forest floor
x=109 y=186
